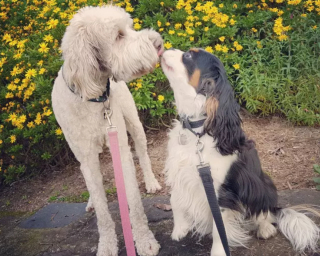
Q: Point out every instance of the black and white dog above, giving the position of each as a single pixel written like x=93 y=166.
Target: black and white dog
x=247 y=196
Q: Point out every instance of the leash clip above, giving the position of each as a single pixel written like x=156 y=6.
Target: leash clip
x=107 y=114
x=200 y=146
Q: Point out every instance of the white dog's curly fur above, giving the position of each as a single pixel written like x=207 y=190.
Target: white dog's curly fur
x=99 y=44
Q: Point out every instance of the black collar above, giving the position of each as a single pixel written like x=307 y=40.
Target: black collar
x=102 y=98
x=190 y=125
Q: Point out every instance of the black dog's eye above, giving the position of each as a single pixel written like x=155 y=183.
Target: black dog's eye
x=187 y=55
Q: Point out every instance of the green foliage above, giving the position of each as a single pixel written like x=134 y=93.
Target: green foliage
x=316 y=168
x=270 y=50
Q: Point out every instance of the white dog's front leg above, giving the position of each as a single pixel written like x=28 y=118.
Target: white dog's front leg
x=181 y=225
x=108 y=243
x=145 y=242
x=136 y=130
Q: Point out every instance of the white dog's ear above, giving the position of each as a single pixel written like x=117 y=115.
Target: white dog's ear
x=85 y=48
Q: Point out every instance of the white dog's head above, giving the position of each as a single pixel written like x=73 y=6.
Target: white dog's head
x=100 y=42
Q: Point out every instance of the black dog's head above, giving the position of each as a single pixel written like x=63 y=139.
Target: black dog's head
x=206 y=74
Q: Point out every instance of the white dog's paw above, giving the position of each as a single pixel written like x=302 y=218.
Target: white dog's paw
x=152 y=185
x=107 y=249
x=147 y=245
x=217 y=253
x=89 y=207
x=266 y=230
x=179 y=232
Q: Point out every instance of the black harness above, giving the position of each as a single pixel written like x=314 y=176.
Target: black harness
x=204 y=170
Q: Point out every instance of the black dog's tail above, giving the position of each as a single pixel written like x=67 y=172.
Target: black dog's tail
x=298 y=228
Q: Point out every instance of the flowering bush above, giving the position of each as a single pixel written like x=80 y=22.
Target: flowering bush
x=270 y=50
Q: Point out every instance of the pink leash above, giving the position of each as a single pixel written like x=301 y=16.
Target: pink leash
x=121 y=189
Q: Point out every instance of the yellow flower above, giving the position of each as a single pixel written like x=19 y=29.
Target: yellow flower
x=52 y=23
x=38 y=119
x=221 y=5
x=167 y=24
x=48 y=38
x=283 y=37
x=7 y=37
x=178 y=25
x=17 y=56
x=225 y=49
x=206 y=29
x=232 y=22
x=235 y=6
x=304 y=15
x=160 y=98
x=314 y=27
x=218 y=47
x=191 y=39
x=190 y=31
x=171 y=32
x=239 y=47
x=9 y=95
x=167 y=45
x=159 y=23
x=43 y=48
x=254 y=30
x=31 y=73
x=222 y=38
x=13 y=138
x=139 y=85
x=41 y=71
x=259 y=45
x=236 y=66
x=31 y=124
x=58 y=131
x=137 y=26
x=1 y=142
x=161 y=3
x=40 y=63
x=209 y=49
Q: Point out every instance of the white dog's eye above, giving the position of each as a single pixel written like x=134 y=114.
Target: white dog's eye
x=120 y=35
x=187 y=55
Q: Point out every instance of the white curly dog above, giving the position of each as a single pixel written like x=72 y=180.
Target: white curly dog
x=100 y=44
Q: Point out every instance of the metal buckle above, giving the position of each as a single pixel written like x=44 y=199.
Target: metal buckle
x=107 y=114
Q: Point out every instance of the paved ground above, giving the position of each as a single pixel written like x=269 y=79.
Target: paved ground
x=65 y=230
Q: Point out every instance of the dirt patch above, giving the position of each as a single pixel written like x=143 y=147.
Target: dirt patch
x=287 y=154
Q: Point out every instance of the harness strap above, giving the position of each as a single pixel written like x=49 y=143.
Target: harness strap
x=205 y=174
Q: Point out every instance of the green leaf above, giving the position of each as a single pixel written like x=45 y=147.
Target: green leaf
x=316 y=168
x=316 y=180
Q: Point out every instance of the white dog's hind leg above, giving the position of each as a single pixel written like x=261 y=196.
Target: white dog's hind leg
x=108 y=244
x=135 y=128
x=181 y=224
x=145 y=242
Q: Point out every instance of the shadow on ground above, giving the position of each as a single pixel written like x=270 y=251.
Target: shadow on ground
x=65 y=230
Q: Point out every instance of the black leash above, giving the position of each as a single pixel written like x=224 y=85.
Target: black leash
x=204 y=170
x=205 y=174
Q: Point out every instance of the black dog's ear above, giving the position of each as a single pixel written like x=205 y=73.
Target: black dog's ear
x=223 y=122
